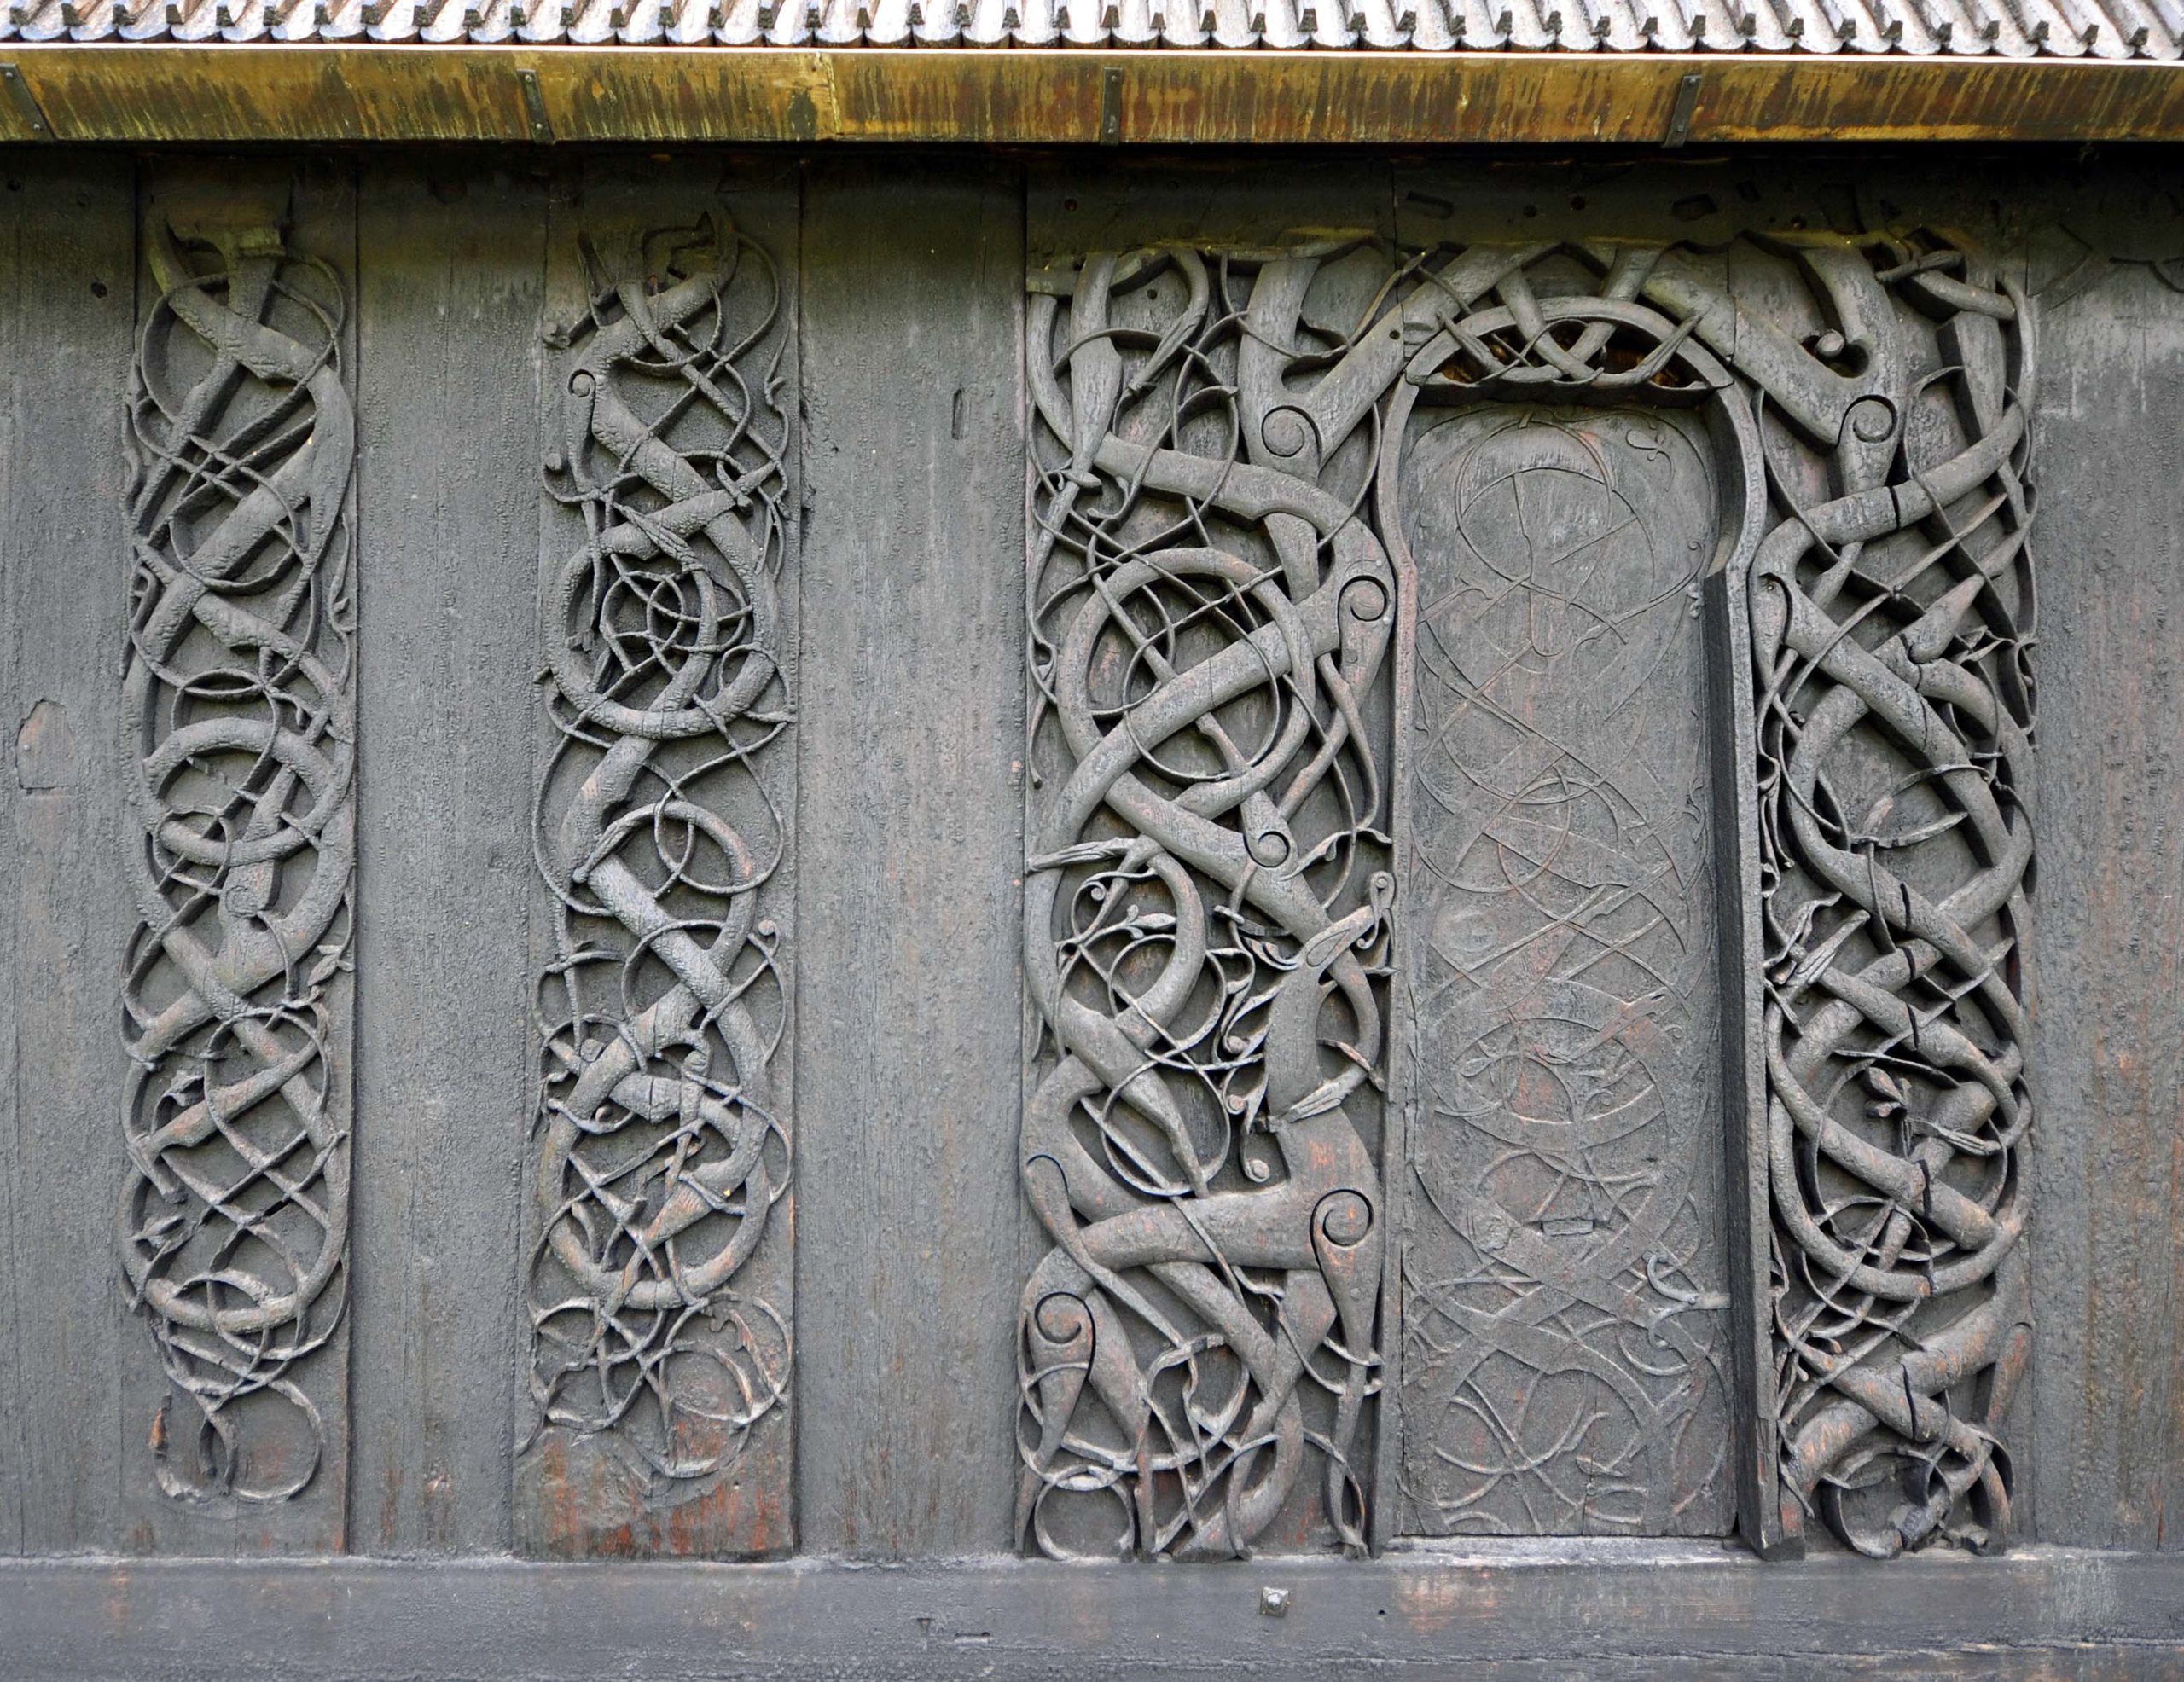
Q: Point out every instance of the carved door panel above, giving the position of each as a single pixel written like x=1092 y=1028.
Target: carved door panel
x=1563 y=1366
x=1642 y=1006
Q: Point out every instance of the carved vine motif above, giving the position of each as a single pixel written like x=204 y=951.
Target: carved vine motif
x=238 y=692
x=659 y=1150
x=1220 y=530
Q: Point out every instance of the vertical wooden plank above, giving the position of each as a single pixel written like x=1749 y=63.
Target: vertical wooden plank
x=660 y=1209
x=277 y=1483
x=451 y=267
x=65 y=335
x=1754 y=1444
x=2108 y=1160
x=910 y=783
x=14 y=1434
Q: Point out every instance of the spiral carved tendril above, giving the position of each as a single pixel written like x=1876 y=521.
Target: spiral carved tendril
x=235 y=1210
x=659 y=1149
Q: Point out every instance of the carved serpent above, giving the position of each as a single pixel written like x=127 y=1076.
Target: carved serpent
x=237 y=687
x=660 y=1151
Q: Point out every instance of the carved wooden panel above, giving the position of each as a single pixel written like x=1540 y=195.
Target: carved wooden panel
x=1565 y=1369
x=658 y=1276
x=237 y=994
x=1819 y=434
x=1206 y=909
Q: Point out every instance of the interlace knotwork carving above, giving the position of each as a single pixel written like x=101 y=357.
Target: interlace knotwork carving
x=237 y=998
x=1551 y=491
x=1892 y=617
x=1225 y=446
x=1207 y=916
x=659 y=1149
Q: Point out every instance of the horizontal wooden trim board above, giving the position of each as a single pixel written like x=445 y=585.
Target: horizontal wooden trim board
x=1645 y=1611
x=226 y=93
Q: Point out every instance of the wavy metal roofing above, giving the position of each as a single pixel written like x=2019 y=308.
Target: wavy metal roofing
x=1977 y=29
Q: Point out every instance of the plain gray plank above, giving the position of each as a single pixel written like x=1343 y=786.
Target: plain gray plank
x=1572 y=1616
x=66 y=1447
x=2108 y=1152
x=912 y=739
x=448 y=296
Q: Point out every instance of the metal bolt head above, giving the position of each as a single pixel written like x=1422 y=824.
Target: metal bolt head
x=1273 y=1602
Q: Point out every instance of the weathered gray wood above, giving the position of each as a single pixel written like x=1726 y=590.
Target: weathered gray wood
x=912 y=743
x=2041 y=1615
x=701 y=1466
x=314 y=201
x=2108 y=1463
x=71 y=1455
x=451 y=257
x=1566 y=1365
x=1755 y=1446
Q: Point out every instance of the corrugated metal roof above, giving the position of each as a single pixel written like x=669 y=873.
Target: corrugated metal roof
x=1977 y=29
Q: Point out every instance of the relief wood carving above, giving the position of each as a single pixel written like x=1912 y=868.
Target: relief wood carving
x=236 y=999
x=1206 y=923
x=1564 y=1370
x=1235 y=480
x=1891 y=620
x=660 y=1344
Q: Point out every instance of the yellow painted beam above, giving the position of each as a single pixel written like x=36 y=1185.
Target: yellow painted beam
x=169 y=92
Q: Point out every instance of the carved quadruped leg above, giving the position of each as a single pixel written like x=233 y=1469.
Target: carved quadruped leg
x=241 y=705
x=1238 y=456
x=659 y=1369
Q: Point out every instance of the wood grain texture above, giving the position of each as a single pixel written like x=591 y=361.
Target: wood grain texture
x=72 y=1456
x=2041 y=1615
x=2108 y=1461
x=448 y=297
x=912 y=725
x=212 y=90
